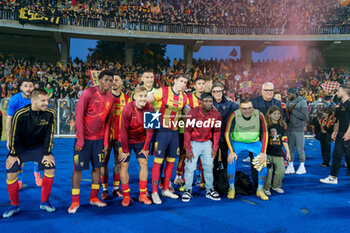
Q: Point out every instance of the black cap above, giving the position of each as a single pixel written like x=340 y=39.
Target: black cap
x=291 y=90
x=206 y=95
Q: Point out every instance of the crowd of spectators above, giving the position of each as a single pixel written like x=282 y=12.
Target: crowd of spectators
x=65 y=84
x=284 y=16
x=68 y=82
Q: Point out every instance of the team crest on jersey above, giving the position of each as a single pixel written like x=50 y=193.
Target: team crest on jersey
x=123 y=102
x=159 y=152
x=343 y=109
x=223 y=107
x=43 y=122
x=81 y=163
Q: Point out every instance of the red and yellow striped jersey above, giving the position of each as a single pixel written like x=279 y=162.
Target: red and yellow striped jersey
x=326 y=123
x=170 y=106
x=119 y=103
x=192 y=100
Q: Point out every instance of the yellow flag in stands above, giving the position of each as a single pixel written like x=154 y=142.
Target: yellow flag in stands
x=344 y=3
x=94 y=76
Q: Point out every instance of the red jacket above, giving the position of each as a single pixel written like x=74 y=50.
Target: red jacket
x=202 y=133
x=93 y=116
x=131 y=130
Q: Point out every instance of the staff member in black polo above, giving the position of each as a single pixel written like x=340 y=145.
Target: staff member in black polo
x=341 y=135
x=32 y=140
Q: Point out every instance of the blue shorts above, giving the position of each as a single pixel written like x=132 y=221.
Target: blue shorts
x=136 y=147
x=253 y=147
x=151 y=149
x=166 y=143
x=92 y=151
x=35 y=154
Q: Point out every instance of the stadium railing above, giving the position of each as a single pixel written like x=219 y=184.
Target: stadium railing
x=65 y=111
x=188 y=29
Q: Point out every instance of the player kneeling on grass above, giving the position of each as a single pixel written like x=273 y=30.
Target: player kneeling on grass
x=134 y=137
x=198 y=144
x=31 y=140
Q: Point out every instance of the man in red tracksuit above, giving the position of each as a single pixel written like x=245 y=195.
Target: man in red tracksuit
x=134 y=137
x=93 y=116
x=200 y=123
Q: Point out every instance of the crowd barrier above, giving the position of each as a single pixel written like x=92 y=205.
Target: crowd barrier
x=188 y=29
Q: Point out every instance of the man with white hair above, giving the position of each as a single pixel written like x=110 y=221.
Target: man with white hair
x=263 y=103
x=266 y=99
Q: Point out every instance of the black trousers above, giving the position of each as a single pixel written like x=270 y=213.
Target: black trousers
x=224 y=154
x=340 y=148
x=325 y=140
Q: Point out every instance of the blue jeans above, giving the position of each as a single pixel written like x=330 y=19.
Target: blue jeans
x=255 y=148
x=202 y=150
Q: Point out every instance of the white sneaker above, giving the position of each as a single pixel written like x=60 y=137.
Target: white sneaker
x=171 y=188
x=329 y=180
x=278 y=190
x=212 y=194
x=168 y=193
x=246 y=160
x=156 y=199
x=178 y=181
x=267 y=192
x=186 y=196
x=290 y=170
x=301 y=170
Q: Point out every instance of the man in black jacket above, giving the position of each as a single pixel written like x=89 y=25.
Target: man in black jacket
x=341 y=136
x=32 y=130
x=263 y=103
x=266 y=100
x=226 y=108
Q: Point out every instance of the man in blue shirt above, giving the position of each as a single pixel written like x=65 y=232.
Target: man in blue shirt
x=16 y=102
